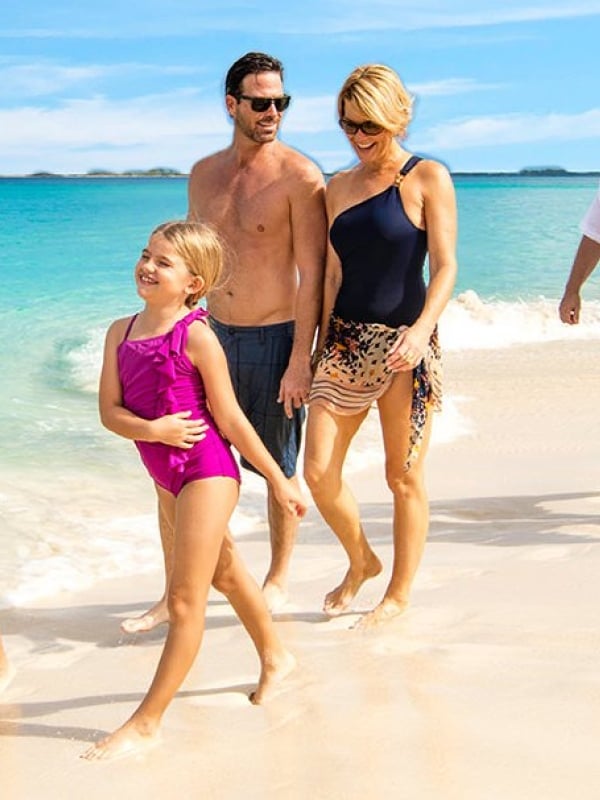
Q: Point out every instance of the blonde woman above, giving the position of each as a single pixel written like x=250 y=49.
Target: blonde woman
x=378 y=341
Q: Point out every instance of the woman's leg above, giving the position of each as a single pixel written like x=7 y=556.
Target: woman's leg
x=202 y=512
x=411 y=506
x=328 y=437
x=239 y=587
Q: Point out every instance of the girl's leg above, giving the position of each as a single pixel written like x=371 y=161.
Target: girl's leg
x=411 y=506
x=159 y=612
x=239 y=587
x=328 y=437
x=202 y=511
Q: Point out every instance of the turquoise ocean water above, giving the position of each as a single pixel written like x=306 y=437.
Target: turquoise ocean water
x=75 y=504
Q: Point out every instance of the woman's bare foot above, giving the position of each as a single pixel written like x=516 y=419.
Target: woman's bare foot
x=275 y=596
x=273 y=673
x=386 y=610
x=131 y=739
x=155 y=616
x=338 y=600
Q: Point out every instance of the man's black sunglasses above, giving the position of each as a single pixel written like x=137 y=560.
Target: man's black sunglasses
x=264 y=103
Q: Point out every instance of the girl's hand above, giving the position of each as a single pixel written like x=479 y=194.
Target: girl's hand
x=179 y=431
x=407 y=351
x=290 y=498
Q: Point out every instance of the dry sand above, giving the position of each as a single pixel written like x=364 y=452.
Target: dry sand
x=488 y=688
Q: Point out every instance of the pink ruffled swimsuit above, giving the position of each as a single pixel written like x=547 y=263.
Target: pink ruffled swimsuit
x=158 y=378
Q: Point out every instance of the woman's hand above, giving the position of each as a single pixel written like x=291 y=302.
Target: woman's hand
x=408 y=350
x=178 y=430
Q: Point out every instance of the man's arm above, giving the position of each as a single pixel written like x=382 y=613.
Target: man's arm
x=193 y=189
x=586 y=258
x=309 y=235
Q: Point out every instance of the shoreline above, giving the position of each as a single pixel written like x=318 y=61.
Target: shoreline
x=118 y=524
x=526 y=174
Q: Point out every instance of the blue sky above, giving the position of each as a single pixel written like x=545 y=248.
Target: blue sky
x=133 y=85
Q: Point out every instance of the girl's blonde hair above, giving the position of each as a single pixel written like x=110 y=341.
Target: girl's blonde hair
x=200 y=248
x=380 y=95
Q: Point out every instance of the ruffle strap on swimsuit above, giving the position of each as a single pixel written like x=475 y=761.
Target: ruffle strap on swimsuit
x=165 y=358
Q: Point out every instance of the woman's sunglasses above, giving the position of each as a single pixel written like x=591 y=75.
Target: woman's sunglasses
x=264 y=103
x=368 y=128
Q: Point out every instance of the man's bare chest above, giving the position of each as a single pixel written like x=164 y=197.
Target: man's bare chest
x=249 y=206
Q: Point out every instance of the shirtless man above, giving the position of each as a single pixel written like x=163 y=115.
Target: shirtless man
x=267 y=202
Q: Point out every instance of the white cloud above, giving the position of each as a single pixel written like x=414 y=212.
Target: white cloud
x=351 y=16
x=495 y=131
x=176 y=128
x=44 y=78
x=134 y=133
x=318 y=17
x=450 y=86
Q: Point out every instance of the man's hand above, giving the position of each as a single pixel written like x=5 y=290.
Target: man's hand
x=570 y=308
x=295 y=386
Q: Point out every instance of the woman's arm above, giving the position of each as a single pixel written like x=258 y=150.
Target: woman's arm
x=439 y=211
x=333 y=268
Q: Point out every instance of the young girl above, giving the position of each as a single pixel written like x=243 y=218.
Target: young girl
x=163 y=370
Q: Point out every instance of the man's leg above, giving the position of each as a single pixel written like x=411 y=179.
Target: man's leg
x=159 y=612
x=283 y=529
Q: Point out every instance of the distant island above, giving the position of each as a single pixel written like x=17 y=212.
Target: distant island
x=169 y=172
x=155 y=172
x=543 y=171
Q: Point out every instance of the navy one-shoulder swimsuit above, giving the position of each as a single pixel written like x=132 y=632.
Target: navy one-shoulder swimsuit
x=382 y=254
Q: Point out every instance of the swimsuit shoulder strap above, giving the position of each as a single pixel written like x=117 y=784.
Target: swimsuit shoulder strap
x=412 y=162
x=129 y=327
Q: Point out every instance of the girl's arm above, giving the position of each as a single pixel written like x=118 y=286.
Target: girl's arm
x=207 y=355
x=174 y=429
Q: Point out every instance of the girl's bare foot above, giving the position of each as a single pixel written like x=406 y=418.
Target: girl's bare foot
x=273 y=673
x=386 y=610
x=131 y=739
x=155 y=616
x=338 y=600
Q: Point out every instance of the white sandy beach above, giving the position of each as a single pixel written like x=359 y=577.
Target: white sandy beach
x=488 y=688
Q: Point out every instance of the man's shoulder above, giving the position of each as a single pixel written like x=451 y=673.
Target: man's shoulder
x=297 y=166
x=210 y=162
x=297 y=159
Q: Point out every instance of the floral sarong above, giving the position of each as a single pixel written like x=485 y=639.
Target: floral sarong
x=352 y=374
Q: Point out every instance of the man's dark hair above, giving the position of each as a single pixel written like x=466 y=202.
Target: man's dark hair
x=250 y=64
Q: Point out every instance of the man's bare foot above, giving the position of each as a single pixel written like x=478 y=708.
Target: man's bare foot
x=386 y=610
x=338 y=600
x=275 y=596
x=130 y=739
x=155 y=616
x=272 y=675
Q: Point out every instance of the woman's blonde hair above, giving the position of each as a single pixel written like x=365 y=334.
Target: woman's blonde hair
x=380 y=95
x=200 y=248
